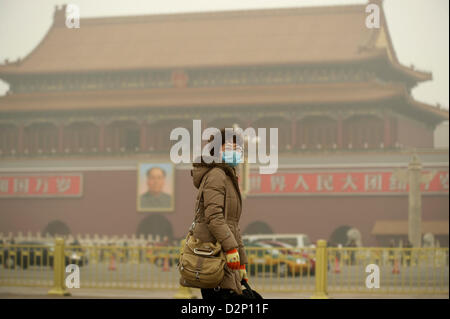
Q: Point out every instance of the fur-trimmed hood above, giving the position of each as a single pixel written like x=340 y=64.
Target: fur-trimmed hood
x=200 y=169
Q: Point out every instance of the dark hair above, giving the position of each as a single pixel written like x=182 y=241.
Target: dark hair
x=156 y=167
x=237 y=139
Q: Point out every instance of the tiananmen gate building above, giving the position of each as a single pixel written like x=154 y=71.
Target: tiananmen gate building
x=88 y=107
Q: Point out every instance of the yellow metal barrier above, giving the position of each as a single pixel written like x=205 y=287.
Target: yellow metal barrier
x=59 y=287
x=319 y=271
x=26 y=265
x=399 y=270
x=281 y=269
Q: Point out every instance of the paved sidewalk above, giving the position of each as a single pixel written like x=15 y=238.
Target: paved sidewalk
x=41 y=293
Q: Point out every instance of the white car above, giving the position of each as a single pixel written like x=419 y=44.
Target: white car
x=294 y=240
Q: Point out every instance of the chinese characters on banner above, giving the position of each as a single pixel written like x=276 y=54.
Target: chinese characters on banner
x=41 y=185
x=341 y=183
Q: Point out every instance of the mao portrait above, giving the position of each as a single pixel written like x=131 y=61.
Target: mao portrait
x=155 y=187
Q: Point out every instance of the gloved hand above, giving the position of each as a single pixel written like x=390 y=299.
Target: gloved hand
x=232 y=257
x=243 y=273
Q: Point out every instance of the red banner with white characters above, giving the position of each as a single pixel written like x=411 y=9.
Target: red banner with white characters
x=41 y=185
x=367 y=182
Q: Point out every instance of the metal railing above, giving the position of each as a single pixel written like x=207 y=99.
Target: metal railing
x=400 y=270
x=281 y=269
x=26 y=265
x=319 y=270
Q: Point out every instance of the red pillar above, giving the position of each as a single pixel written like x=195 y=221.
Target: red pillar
x=20 y=139
x=293 y=133
x=101 y=137
x=116 y=130
x=387 y=131
x=150 y=138
x=61 y=138
x=340 y=141
x=143 y=136
x=36 y=133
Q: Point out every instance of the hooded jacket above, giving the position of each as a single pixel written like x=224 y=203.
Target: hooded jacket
x=219 y=213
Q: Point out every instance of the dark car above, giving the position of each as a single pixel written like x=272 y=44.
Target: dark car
x=34 y=253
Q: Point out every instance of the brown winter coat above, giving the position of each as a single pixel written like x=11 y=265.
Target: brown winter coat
x=220 y=188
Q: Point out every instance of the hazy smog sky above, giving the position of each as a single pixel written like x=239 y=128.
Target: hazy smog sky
x=419 y=28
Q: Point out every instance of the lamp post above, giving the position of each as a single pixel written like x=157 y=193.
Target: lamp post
x=414 y=202
x=414 y=177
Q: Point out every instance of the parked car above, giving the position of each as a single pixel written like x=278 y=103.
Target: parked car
x=35 y=253
x=295 y=240
x=263 y=260
x=277 y=259
x=299 y=261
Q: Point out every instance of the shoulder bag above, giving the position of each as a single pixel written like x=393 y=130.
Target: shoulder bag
x=201 y=264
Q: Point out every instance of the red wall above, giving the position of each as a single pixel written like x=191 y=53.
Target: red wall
x=413 y=133
x=108 y=206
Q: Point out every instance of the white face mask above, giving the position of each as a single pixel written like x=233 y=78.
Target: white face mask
x=232 y=155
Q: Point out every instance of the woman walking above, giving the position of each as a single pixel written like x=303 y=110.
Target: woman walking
x=220 y=211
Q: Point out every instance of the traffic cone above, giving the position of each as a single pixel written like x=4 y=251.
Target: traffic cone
x=112 y=263
x=396 y=269
x=166 y=264
x=337 y=270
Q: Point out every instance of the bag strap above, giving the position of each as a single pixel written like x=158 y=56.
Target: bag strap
x=197 y=203
x=199 y=197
